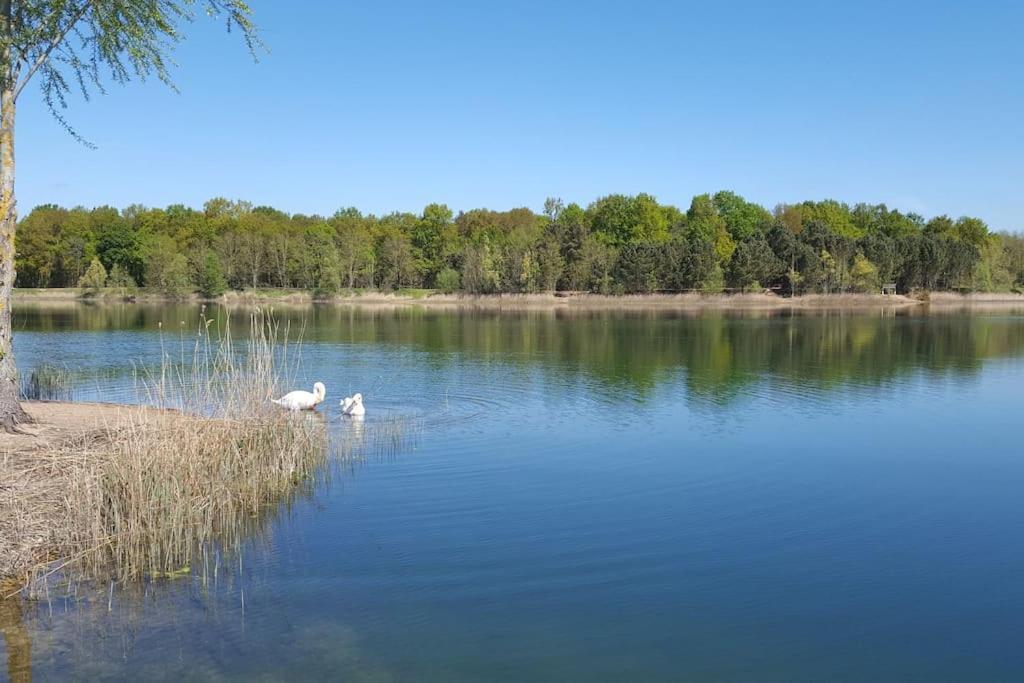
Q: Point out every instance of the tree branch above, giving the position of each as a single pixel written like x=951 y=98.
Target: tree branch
x=54 y=42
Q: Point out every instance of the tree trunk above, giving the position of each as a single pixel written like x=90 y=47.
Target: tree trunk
x=11 y=412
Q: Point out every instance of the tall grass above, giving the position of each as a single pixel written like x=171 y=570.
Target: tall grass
x=47 y=382
x=200 y=468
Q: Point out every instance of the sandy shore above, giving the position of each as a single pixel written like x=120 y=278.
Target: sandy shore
x=56 y=423
x=567 y=300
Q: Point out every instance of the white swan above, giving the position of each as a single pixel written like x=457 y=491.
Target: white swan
x=302 y=400
x=353 y=406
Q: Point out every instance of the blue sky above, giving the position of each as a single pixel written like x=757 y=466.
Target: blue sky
x=392 y=105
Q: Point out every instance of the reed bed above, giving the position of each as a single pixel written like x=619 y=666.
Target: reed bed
x=161 y=485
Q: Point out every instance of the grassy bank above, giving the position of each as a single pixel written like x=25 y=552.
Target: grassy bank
x=133 y=492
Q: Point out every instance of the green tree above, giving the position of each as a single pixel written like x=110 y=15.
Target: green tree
x=354 y=239
x=863 y=275
x=686 y=264
x=743 y=219
x=973 y=231
x=754 y=265
x=637 y=267
x=571 y=229
x=479 y=274
x=210 y=278
x=168 y=273
x=120 y=279
x=398 y=263
x=882 y=250
x=1013 y=257
x=95 y=278
x=118 y=243
x=550 y=265
x=434 y=237
x=75 y=44
x=835 y=215
x=714 y=282
x=703 y=222
x=620 y=219
x=39 y=246
x=328 y=276
x=878 y=220
x=449 y=280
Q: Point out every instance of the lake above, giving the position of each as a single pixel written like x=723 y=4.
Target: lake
x=598 y=496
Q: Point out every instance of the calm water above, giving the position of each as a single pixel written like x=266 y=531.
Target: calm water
x=601 y=497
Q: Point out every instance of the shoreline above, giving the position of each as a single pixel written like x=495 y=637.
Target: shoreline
x=558 y=300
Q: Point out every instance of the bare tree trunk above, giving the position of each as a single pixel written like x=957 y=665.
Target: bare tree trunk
x=11 y=412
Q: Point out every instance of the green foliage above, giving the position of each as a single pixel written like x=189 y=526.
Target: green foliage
x=878 y=220
x=571 y=228
x=743 y=219
x=479 y=275
x=637 y=268
x=721 y=241
x=1013 y=257
x=397 y=262
x=754 y=263
x=120 y=279
x=687 y=264
x=550 y=265
x=714 y=283
x=973 y=231
x=703 y=222
x=39 y=248
x=836 y=216
x=620 y=220
x=210 y=279
x=864 y=275
x=434 y=237
x=328 y=277
x=883 y=251
x=117 y=242
x=449 y=280
x=94 y=279
x=167 y=271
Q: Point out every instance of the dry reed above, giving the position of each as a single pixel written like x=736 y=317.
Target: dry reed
x=205 y=462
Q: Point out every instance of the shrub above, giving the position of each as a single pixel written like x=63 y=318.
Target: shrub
x=120 y=279
x=449 y=280
x=94 y=279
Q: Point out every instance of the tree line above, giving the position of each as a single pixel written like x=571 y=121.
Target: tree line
x=618 y=244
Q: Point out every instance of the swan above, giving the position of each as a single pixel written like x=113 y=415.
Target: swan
x=353 y=406
x=302 y=400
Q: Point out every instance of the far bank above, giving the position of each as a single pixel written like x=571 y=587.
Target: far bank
x=576 y=300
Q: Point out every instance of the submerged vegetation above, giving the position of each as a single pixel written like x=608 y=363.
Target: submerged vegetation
x=160 y=484
x=48 y=382
x=617 y=244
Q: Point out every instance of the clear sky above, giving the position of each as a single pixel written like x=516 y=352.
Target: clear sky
x=392 y=105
